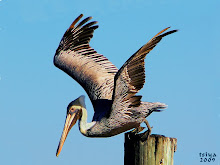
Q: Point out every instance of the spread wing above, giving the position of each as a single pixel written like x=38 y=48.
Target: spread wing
x=94 y=72
x=131 y=78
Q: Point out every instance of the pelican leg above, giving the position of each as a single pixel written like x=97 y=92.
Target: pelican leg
x=147 y=133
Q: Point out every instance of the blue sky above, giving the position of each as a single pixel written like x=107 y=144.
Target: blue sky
x=182 y=71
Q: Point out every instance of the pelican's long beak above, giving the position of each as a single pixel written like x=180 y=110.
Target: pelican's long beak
x=71 y=119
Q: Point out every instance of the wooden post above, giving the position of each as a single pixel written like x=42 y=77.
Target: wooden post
x=157 y=150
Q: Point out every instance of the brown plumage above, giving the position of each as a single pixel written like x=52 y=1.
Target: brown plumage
x=111 y=91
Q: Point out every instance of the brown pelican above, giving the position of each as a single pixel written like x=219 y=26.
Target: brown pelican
x=111 y=91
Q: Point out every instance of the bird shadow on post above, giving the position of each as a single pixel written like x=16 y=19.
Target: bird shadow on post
x=156 y=150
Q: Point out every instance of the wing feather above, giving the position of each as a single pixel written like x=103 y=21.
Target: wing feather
x=131 y=77
x=74 y=55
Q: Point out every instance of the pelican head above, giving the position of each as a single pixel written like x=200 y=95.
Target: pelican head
x=74 y=112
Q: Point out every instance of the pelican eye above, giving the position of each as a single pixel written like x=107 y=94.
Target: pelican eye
x=72 y=109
